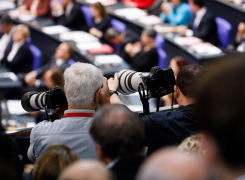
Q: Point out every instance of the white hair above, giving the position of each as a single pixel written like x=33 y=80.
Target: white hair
x=82 y=80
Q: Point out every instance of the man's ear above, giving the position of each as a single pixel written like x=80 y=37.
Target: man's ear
x=176 y=90
x=97 y=96
x=64 y=89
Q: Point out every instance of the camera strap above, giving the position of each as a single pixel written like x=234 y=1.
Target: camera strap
x=144 y=99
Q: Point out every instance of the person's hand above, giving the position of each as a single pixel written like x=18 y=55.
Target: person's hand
x=30 y=78
x=95 y=32
x=56 y=6
x=182 y=30
x=28 y=168
x=113 y=83
x=128 y=48
x=241 y=27
x=137 y=47
x=104 y=93
x=166 y=7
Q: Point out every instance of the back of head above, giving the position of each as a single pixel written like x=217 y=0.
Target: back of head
x=180 y=61
x=220 y=106
x=25 y=30
x=5 y=19
x=57 y=77
x=199 y=3
x=71 y=47
x=82 y=80
x=86 y=169
x=172 y=164
x=111 y=33
x=118 y=131
x=101 y=9
x=188 y=77
x=54 y=159
x=150 y=32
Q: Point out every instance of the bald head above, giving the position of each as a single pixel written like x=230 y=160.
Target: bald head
x=118 y=131
x=86 y=169
x=172 y=164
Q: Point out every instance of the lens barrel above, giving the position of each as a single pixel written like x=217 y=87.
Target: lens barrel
x=33 y=101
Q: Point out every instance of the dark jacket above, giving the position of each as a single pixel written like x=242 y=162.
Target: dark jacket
x=127 y=168
x=22 y=62
x=103 y=26
x=76 y=19
x=207 y=29
x=166 y=129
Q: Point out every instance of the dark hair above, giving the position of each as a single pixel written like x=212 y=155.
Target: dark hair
x=187 y=77
x=101 y=9
x=71 y=47
x=54 y=159
x=57 y=77
x=220 y=107
x=150 y=32
x=5 y=19
x=111 y=33
x=200 y=3
x=180 y=61
x=118 y=131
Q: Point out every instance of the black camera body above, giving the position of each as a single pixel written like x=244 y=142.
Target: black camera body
x=55 y=98
x=159 y=82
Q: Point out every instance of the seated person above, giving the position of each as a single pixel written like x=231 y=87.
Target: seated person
x=18 y=57
x=143 y=55
x=7 y=28
x=54 y=77
x=60 y=60
x=240 y=37
x=101 y=21
x=69 y=14
x=121 y=39
x=202 y=24
x=35 y=8
x=138 y=3
x=123 y=154
x=86 y=169
x=84 y=88
x=160 y=128
x=176 y=64
x=176 y=12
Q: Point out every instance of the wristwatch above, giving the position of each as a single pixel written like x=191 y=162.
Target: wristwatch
x=113 y=92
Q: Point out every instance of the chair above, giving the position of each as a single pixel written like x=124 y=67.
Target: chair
x=87 y=11
x=162 y=58
x=71 y=61
x=118 y=25
x=37 y=56
x=224 y=31
x=159 y=41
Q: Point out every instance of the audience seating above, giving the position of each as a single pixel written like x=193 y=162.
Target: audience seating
x=162 y=58
x=88 y=15
x=37 y=56
x=118 y=25
x=71 y=61
x=159 y=41
x=224 y=31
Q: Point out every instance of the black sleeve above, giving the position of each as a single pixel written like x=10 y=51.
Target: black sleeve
x=208 y=28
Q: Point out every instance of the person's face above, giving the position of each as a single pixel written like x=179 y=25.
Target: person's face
x=95 y=12
x=174 y=67
x=62 y=52
x=193 y=6
x=145 y=39
x=5 y=28
x=175 y=2
x=18 y=36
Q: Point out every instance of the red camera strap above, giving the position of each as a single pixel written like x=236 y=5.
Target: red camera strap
x=78 y=115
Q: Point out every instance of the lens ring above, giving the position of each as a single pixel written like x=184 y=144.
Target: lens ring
x=36 y=101
x=120 y=87
x=125 y=84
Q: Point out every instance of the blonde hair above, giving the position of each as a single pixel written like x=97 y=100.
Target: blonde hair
x=24 y=29
x=192 y=144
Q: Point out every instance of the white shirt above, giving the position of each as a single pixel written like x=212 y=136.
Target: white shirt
x=4 y=42
x=199 y=16
x=15 y=48
x=59 y=62
x=68 y=9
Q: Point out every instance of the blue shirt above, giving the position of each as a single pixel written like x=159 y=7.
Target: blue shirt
x=71 y=131
x=179 y=16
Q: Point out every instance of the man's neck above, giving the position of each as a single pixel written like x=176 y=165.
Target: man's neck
x=89 y=108
x=183 y=101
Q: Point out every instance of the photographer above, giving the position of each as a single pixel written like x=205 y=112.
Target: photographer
x=84 y=88
x=164 y=129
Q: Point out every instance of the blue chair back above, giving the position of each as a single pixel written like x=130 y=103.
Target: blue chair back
x=162 y=58
x=37 y=56
x=159 y=41
x=71 y=61
x=224 y=31
x=118 y=25
x=87 y=11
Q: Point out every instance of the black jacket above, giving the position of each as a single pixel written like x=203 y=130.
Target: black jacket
x=126 y=169
x=207 y=29
x=166 y=129
x=76 y=19
x=51 y=64
x=22 y=62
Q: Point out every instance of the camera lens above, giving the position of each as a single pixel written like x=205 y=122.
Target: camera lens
x=33 y=101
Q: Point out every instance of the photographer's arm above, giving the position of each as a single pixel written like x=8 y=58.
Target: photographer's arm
x=113 y=84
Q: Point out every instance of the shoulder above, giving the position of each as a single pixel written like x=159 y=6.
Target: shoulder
x=209 y=14
x=76 y=7
x=41 y=127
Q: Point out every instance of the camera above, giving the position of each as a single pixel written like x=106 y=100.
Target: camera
x=159 y=82
x=52 y=99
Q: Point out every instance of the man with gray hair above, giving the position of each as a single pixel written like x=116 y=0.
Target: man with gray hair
x=85 y=88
